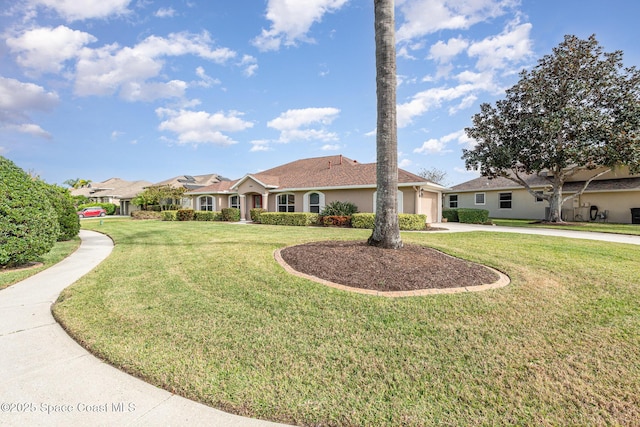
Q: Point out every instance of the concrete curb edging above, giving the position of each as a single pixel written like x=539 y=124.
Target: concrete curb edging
x=500 y=283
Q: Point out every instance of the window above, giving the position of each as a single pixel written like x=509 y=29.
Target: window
x=206 y=203
x=314 y=203
x=453 y=201
x=539 y=198
x=234 y=202
x=505 y=200
x=286 y=203
x=479 y=198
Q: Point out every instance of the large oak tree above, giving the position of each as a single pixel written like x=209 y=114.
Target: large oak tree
x=577 y=110
x=386 y=231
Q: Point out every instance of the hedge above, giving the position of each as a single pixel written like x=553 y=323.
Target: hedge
x=28 y=222
x=335 y=220
x=62 y=202
x=451 y=215
x=289 y=218
x=405 y=221
x=207 y=216
x=255 y=214
x=231 y=214
x=169 y=215
x=185 y=215
x=473 y=216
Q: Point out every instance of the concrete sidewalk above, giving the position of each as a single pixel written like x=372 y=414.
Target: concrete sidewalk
x=452 y=227
x=47 y=379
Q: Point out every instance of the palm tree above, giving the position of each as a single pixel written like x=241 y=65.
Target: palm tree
x=386 y=231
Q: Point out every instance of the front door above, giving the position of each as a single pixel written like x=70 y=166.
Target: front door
x=257 y=201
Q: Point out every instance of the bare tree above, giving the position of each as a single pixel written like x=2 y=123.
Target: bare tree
x=386 y=231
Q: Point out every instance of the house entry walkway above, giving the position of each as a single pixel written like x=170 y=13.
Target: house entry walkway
x=46 y=378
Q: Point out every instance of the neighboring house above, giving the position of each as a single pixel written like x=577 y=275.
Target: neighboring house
x=308 y=185
x=612 y=195
x=113 y=190
x=190 y=183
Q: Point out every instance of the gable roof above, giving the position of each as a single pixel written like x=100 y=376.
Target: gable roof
x=112 y=187
x=539 y=182
x=318 y=173
x=190 y=182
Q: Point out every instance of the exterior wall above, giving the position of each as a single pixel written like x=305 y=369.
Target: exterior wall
x=618 y=204
x=524 y=206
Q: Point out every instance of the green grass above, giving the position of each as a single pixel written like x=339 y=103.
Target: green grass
x=203 y=310
x=633 y=229
x=60 y=251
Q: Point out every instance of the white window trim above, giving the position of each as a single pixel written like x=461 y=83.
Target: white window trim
x=500 y=201
x=536 y=198
x=306 y=204
x=229 y=201
x=213 y=203
x=400 y=201
x=285 y=194
x=484 y=199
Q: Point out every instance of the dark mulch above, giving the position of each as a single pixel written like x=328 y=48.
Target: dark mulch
x=359 y=265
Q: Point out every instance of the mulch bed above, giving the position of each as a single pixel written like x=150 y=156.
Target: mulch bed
x=356 y=264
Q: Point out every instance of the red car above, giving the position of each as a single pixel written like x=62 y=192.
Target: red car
x=91 y=212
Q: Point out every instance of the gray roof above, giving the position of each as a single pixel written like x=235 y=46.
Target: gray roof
x=539 y=182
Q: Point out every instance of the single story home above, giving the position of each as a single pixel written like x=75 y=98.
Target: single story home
x=308 y=185
x=608 y=198
x=113 y=190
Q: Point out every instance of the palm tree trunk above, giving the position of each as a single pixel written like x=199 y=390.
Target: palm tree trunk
x=386 y=231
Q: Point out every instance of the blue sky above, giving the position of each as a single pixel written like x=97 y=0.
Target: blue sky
x=148 y=89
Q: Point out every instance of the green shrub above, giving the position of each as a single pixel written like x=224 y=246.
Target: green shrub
x=473 y=216
x=412 y=221
x=451 y=215
x=363 y=220
x=185 y=215
x=28 y=223
x=336 y=221
x=231 y=214
x=405 y=221
x=289 y=218
x=62 y=202
x=255 y=214
x=338 y=208
x=207 y=216
x=169 y=215
x=146 y=215
x=109 y=207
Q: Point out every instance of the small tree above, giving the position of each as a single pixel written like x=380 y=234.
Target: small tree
x=434 y=175
x=577 y=110
x=28 y=223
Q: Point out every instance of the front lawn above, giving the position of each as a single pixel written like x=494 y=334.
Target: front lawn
x=203 y=310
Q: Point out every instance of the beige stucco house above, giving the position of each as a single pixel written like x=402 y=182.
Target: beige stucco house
x=308 y=185
x=114 y=190
x=608 y=198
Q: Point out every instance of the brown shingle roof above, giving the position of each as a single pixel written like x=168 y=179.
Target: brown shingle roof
x=319 y=172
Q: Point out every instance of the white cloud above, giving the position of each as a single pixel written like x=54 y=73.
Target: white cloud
x=17 y=99
x=111 y=68
x=250 y=65
x=511 y=46
x=331 y=147
x=46 y=49
x=292 y=20
x=76 y=10
x=165 y=12
x=434 y=146
x=260 y=145
x=201 y=127
x=295 y=124
x=205 y=80
x=28 y=128
x=444 y=52
x=405 y=163
x=422 y=17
